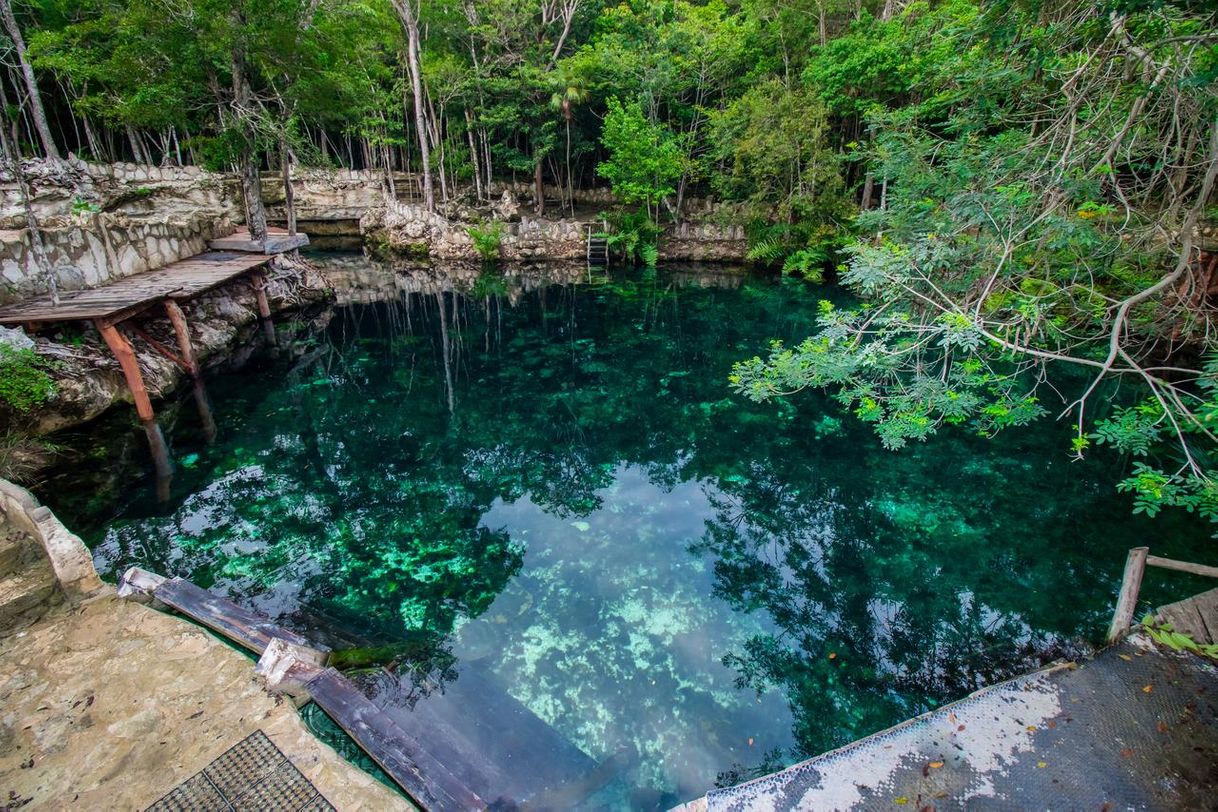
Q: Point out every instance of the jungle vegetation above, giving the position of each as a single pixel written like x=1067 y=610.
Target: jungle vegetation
x=1011 y=187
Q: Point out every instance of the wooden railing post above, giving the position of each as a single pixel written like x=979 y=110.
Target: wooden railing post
x=1131 y=583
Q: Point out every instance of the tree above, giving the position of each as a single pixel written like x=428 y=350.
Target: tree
x=644 y=161
x=1057 y=228
x=31 y=83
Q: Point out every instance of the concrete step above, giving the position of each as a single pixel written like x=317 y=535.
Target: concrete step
x=26 y=595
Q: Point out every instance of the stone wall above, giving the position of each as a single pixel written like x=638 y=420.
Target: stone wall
x=410 y=229
x=69 y=557
x=97 y=248
x=704 y=242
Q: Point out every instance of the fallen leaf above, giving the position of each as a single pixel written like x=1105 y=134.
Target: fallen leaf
x=900 y=799
x=934 y=765
x=1127 y=753
x=960 y=728
x=1032 y=728
x=1051 y=724
x=1147 y=689
x=1040 y=765
x=1125 y=657
x=832 y=655
x=1162 y=726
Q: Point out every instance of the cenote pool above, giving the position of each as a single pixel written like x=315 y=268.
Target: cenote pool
x=608 y=578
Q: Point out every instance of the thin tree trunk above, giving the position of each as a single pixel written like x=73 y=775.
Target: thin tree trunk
x=289 y=195
x=31 y=83
x=41 y=261
x=473 y=153
x=539 y=189
x=251 y=180
x=136 y=151
x=406 y=16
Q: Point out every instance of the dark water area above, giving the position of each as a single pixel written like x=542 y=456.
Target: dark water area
x=542 y=491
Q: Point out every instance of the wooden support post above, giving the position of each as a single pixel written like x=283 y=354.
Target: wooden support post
x=182 y=330
x=1127 y=602
x=123 y=352
x=161 y=461
x=259 y=281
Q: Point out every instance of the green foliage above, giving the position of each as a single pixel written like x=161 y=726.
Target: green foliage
x=633 y=237
x=488 y=238
x=1164 y=634
x=24 y=382
x=82 y=206
x=644 y=162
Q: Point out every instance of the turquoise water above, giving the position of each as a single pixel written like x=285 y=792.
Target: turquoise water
x=543 y=483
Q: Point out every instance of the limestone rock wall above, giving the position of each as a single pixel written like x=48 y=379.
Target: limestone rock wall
x=410 y=229
x=704 y=242
x=96 y=248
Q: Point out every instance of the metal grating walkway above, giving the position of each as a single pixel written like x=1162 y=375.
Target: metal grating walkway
x=251 y=775
x=1134 y=728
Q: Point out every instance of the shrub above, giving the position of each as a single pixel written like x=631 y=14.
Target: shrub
x=22 y=456
x=24 y=382
x=487 y=237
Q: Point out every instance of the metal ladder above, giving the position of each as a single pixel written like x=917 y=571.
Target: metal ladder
x=598 y=249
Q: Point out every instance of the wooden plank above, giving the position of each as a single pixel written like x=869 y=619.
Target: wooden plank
x=182 y=332
x=238 y=624
x=399 y=754
x=126 y=297
x=1127 y=600
x=1182 y=566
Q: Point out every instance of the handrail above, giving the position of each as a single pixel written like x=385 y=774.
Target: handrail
x=1136 y=562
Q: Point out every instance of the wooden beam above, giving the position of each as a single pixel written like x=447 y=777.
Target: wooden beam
x=253 y=631
x=161 y=348
x=182 y=330
x=1127 y=602
x=395 y=751
x=1181 y=566
x=258 y=279
x=125 y=355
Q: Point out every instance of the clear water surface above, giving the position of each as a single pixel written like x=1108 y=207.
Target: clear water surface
x=539 y=492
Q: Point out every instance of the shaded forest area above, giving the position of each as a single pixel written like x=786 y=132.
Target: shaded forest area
x=1010 y=186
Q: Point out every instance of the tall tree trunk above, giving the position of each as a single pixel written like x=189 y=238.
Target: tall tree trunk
x=473 y=154
x=406 y=16
x=31 y=84
x=136 y=151
x=13 y=158
x=251 y=180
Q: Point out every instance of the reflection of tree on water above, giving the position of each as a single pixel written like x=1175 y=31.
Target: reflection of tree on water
x=349 y=487
x=875 y=623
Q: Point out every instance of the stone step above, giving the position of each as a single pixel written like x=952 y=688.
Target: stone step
x=12 y=550
x=26 y=595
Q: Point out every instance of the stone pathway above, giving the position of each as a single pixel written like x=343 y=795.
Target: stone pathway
x=111 y=705
x=1134 y=728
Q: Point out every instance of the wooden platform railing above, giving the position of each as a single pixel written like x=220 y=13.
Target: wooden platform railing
x=1136 y=562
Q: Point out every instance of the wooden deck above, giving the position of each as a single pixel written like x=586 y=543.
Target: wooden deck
x=1196 y=617
x=110 y=305
x=131 y=295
